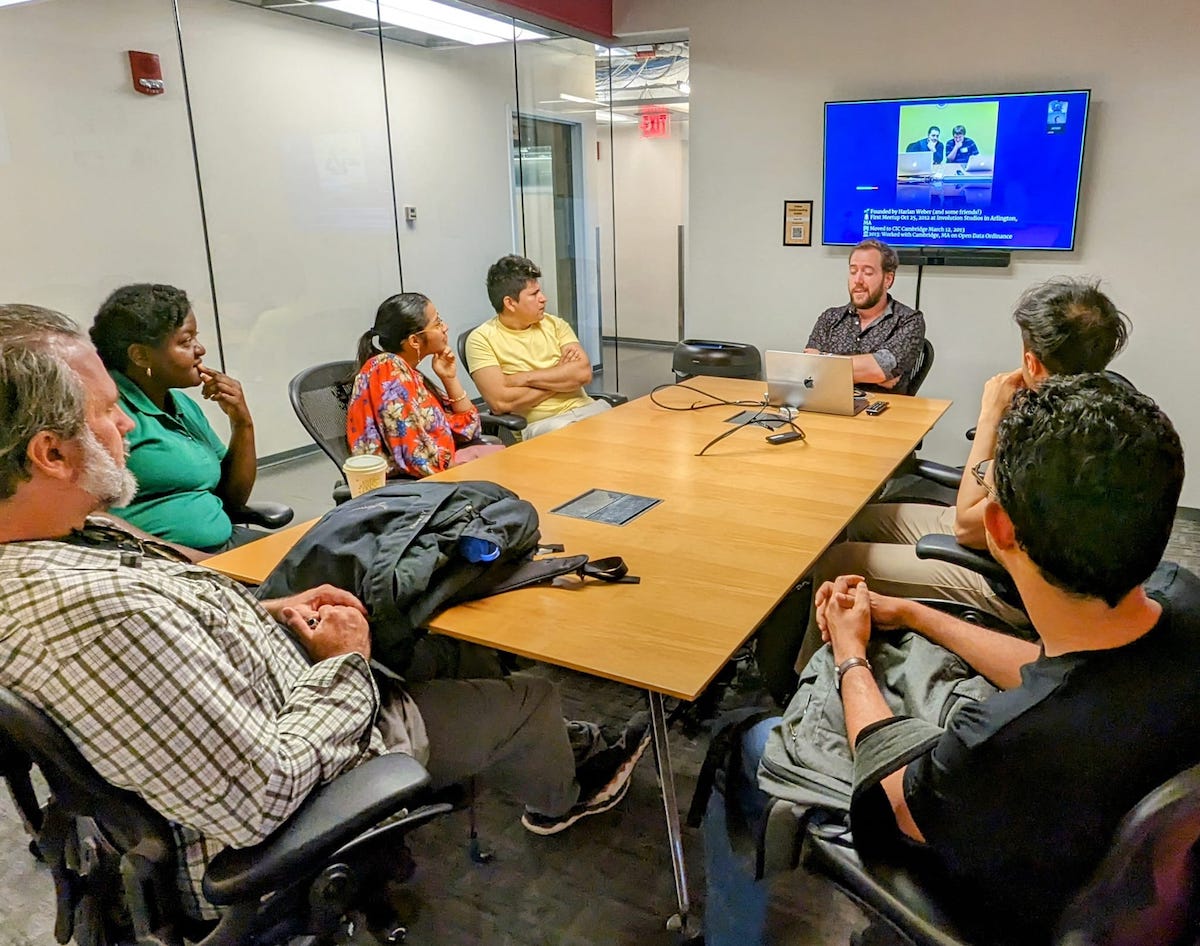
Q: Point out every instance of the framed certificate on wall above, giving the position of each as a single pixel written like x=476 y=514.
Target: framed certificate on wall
x=797 y=222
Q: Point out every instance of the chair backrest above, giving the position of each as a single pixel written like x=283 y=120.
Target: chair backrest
x=76 y=787
x=1147 y=889
x=695 y=356
x=461 y=347
x=320 y=396
x=924 y=363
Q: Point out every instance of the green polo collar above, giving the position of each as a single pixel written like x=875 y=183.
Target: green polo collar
x=138 y=399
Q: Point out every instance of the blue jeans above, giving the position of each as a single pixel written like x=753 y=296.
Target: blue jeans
x=735 y=912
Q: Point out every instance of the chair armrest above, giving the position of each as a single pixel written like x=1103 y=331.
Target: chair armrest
x=887 y=888
x=940 y=473
x=268 y=515
x=944 y=548
x=341 y=492
x=507 y=421
x=333 y=815
x=614 y=399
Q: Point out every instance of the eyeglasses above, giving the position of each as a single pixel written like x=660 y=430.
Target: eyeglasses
x=980 y=472
x=438 y=323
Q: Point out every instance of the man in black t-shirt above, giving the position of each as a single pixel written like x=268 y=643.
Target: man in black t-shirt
x=1017 y=798
x=1020 y=797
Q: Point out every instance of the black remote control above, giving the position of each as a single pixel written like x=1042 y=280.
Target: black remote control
x=878 y=407
x=786 y=437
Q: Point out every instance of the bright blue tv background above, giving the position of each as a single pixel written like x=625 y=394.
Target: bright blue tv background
x=1036 y=176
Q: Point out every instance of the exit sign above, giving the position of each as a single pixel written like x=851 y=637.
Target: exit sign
x=656 y=123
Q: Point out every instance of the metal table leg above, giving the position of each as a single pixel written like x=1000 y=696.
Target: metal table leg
x=666 y=777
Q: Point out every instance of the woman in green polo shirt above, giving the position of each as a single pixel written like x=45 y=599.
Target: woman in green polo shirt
x=146 y=337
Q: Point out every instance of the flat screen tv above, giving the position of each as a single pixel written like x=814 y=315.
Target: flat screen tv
x=969 y=171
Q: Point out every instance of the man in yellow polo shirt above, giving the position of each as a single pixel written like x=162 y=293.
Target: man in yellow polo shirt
x=527 y=362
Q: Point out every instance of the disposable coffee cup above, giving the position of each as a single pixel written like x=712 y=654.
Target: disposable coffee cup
x=365 y=473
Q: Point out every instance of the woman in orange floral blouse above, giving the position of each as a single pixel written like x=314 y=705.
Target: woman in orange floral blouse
x=399 y=413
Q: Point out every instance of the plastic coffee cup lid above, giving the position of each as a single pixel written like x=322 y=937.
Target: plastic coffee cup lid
x=365 y=463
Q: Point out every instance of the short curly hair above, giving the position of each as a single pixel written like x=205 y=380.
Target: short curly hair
x=507 y=277
x=141 y=314
x=1089 y=471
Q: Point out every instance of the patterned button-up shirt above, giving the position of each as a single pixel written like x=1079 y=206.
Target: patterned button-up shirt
x=894 y=339
x=175 y=683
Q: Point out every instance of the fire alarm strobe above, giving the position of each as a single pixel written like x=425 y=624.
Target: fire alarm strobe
x=146 y=72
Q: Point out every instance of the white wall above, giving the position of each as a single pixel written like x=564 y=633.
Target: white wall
x=97 y=187
x=97 y=183
x=760 y=74
x=649 y=181
x=293 y=158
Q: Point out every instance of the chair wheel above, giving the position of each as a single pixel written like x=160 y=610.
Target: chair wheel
x=478 y=854
x=396 y=935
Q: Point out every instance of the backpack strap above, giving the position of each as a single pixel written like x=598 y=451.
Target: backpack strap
x=611 y=569
x=723 y=761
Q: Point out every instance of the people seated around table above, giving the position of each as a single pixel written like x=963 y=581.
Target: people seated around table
x=223 y=712
x=929 y=143
x=1011 y=801
x=883 y=336
x=960 y=149
x=187 y=477
x=1068 y=326
x=526 y=361
x=395 y=410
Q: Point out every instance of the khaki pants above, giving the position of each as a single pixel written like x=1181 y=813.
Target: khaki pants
x=880 y=546
x=558 y=421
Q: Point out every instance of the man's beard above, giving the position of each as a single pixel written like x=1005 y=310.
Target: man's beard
x=872 y=299
x=109 y=481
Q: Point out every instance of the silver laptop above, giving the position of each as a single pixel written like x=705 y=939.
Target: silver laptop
x=981 y=163
x=914 y=165
x=822 y=384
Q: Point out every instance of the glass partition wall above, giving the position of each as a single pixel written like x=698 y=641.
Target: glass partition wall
x=304 y=159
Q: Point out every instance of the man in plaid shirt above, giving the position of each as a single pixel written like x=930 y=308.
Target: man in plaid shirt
x=222 y=711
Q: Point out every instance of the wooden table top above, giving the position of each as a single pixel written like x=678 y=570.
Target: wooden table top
x=734 y=531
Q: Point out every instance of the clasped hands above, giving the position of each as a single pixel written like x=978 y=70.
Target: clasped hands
x=327 y=621
x=847 y=609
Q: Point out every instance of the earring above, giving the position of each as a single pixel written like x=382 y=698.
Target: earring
x=149 y=372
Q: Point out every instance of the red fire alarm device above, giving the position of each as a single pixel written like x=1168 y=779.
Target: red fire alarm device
x=146 y=73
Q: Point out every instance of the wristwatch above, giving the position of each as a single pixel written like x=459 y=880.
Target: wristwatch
x=849 y=664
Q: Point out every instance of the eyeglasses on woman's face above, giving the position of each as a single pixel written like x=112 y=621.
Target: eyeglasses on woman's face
x=438 y=324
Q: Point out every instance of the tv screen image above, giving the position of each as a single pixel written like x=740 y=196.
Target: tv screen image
x=978 y=171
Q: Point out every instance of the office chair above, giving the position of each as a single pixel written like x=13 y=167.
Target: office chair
x=1144 y=893
x=262 y=513
x=924 y=363
x=695 y=356
x=114 y=859
x=508 y=424
x=320 y=396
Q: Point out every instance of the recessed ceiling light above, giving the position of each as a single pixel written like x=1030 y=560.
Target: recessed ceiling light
x=436 y=19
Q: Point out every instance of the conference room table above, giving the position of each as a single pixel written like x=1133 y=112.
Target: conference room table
x=733 y=532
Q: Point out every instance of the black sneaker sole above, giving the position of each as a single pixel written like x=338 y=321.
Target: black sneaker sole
x=605 y=799
x=624 y=773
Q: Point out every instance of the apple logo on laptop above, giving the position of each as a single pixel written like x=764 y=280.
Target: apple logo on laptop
x=808 y=383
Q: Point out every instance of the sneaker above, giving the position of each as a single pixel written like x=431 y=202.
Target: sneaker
x=603 y=777
x=586 y=739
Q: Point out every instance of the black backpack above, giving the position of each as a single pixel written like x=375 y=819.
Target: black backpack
x=403 y=550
